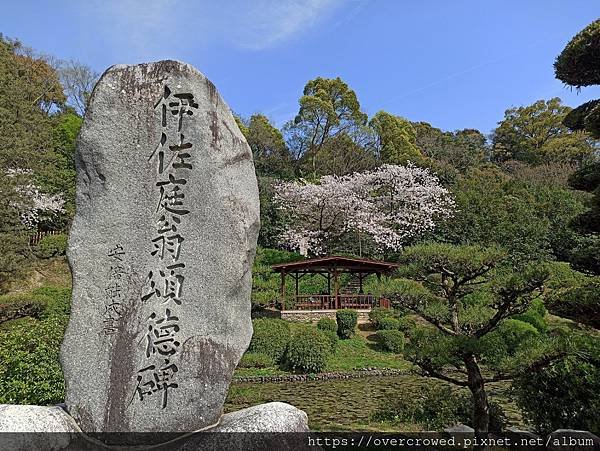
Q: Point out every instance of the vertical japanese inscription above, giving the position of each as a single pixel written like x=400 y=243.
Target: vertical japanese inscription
x=163 y=287
x=115 y=290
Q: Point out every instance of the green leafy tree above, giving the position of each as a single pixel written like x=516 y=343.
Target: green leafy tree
x=56 y=173
x=328 y=108
x=269 y=151
x=458 y=150
x=579 y=65
x=469 y=298
x=566 y=395
x=586 y=253
x=531 y=220
x=29 y=90
x=395 y=139
x=536 y=134
x=339 y=155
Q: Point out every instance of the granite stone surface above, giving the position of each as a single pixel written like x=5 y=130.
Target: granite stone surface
x=161 y=251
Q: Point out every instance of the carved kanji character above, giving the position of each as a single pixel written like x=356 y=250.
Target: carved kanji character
x=170 y=244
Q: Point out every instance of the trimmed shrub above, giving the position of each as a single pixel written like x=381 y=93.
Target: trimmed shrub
x=346 y=322
x=52 y=246
x=308 y=350
x=388 y=324
x=391 y=340
x=271 y=337
x=377 y=314
x=255 y=360
x=327 y=324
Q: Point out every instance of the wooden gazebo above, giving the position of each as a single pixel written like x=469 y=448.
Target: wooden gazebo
x=331 y=268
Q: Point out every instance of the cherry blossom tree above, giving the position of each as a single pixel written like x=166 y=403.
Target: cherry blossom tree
x=42 y=207
x=33 y=205
x=386 y=207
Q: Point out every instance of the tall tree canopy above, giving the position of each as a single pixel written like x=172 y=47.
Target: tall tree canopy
x=270 y=153
x=329 y=108
x=29 y=90
x=460 y=150
x=536 y=134
x=395 y=139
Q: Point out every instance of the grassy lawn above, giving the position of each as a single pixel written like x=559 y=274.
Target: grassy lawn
x=360 y=352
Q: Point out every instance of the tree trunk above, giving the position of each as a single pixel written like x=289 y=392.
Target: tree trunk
x=481 y=408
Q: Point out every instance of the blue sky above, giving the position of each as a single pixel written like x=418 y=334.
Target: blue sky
x=453 y=63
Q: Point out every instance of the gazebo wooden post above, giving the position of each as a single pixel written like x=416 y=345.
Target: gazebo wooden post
x=297 y=277
x=336 y=287
x=282 y=290
x=360 y=281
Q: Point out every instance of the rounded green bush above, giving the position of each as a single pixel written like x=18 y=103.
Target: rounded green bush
x=308 y=350
x=255 y=360
x=346 y=322
x=378 y=313
x=388 y=324
x=327 y=324
x=271 y=337
x=391 y=340
x=578 y=64
x=52 y=246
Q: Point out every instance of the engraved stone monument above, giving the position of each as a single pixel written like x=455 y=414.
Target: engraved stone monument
x=161 y=250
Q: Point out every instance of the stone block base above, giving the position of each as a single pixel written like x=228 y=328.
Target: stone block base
x=34 y=428
x=316 y=315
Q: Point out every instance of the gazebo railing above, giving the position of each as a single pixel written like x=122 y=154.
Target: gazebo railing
x=328 y=302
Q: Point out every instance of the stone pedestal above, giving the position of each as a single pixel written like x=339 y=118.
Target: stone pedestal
x=37 y=428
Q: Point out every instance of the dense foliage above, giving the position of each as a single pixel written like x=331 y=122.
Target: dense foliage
x=388 y=323
x=567 y=394
x=30 y=371
x=436 y=407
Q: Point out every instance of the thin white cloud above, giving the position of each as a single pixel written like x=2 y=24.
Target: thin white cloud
x=269 y=22
x=143 y=29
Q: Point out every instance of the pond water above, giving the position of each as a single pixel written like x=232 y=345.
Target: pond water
x=345 y=404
